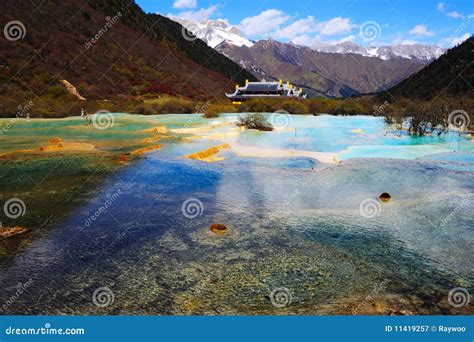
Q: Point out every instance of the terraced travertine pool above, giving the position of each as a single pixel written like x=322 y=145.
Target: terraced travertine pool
x=118 y=208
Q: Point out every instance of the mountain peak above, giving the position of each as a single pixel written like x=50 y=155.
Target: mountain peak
x=423 y=53
x=215 y=32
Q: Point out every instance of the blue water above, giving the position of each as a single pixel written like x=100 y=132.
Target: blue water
x=293 y=223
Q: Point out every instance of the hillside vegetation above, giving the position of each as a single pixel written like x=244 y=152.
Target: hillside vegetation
x=111 y=51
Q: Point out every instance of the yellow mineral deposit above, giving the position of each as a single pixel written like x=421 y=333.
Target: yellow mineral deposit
x=209 y=154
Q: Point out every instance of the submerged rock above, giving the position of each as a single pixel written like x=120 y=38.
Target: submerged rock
x=218 y=228
x=56 y=140
x=122 y=158
x=8 y=232
x=385 y=197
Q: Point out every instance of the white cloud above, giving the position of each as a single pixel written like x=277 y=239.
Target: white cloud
x=264 y=23
x=408 y=42
x=421 y=30
x=441 y=7
x=304 y=39
x=335 y=26
x=184 y=4
x=452 y=41
x=348 y=39
x=199 y=15
x=297 y=29
x=455 y=14
x=301 y=29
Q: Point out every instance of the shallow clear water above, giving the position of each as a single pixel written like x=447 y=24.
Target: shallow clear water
x=293 y=223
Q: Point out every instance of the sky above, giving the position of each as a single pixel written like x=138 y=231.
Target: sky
x=307 y=22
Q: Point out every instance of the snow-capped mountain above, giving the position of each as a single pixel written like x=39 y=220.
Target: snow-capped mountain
x=214 y=32
x=423 y=53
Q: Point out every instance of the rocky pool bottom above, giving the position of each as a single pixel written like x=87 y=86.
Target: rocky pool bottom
x=293 y=225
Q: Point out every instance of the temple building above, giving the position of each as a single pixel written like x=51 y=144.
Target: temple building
x=264 y=89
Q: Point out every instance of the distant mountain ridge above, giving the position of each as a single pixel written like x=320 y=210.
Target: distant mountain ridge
x=320 y=73
x=215 y=32
x=451 y=75
x=423 y=53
